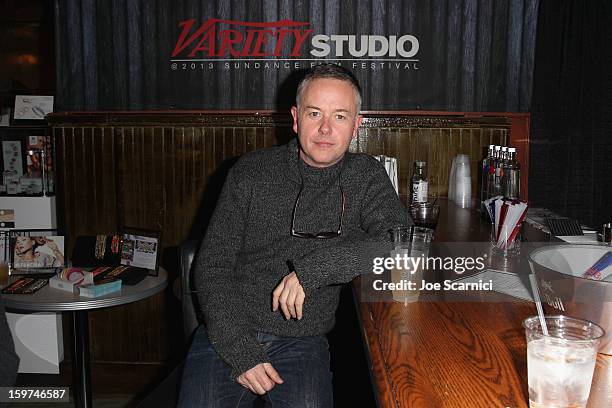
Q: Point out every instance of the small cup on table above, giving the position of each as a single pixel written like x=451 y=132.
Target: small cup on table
x=409 y=241
x=425 y=214
x=504 y=241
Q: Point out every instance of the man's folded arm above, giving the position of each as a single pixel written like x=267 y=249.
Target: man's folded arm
x=380 y=212
x=226 y=323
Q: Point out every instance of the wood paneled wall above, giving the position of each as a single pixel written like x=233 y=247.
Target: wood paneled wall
x=164 y=170
x=435 y=140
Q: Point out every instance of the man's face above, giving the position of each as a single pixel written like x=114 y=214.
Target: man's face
x=326 y=121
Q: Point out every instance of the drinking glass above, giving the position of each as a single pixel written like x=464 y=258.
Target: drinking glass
x=560 y=366
x=425 y=214
x=411 y=242
x=503 y=242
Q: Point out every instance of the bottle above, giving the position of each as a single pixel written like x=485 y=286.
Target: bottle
x=499 y=171
x=511 y=180
x=420 y=185
x=491 y=188
x=484 y=177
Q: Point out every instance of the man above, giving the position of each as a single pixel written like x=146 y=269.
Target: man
x=292 y=223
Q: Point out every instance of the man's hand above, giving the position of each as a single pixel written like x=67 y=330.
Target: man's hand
x=290 y=295
x=260 y=379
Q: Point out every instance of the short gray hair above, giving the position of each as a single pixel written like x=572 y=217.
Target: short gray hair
x=329 y=71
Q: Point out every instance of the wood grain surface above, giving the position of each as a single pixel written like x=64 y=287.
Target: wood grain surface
x=456 y=354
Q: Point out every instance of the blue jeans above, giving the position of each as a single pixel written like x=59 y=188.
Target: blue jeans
x=302 y=363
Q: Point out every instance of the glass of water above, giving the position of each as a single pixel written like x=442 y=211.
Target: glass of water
x=560 y=366
x=409 y=241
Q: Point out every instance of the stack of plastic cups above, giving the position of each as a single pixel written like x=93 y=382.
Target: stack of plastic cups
x=460 y=182
x=451 y=181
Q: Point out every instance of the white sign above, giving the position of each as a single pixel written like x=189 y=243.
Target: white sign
x=13 y=164
x=33 y=106
x=139 y=251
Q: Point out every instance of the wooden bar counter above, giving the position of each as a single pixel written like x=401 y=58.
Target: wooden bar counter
x=455 y=354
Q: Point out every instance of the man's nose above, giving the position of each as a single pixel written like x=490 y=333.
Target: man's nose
x=325 y=128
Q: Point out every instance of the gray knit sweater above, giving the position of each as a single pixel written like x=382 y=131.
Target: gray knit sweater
x=248 y=247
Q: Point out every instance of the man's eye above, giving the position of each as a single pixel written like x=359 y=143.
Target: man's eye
x=314 y=114
x=340 y=117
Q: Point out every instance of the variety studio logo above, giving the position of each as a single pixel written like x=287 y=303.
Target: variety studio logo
x=286 y=44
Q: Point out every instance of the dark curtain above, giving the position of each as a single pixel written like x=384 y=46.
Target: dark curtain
x=474 y=55
x=571 y=130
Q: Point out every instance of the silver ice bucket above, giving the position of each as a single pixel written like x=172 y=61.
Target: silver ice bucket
x=559 y=270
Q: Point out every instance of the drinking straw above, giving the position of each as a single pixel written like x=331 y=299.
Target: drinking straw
x=538 y=302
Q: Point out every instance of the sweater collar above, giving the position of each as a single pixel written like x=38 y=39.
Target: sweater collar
x=298 y=170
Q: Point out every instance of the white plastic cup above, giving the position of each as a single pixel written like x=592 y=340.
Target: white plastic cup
x=463 y=158
x=458 y=187
x=451 y=180
x=463 y=192
x=462 y=170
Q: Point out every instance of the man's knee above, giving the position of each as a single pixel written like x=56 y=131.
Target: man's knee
x=304 y=368
x=206 y=380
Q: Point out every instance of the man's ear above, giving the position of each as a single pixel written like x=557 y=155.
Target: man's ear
x=357 y=124
x=294 y=113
